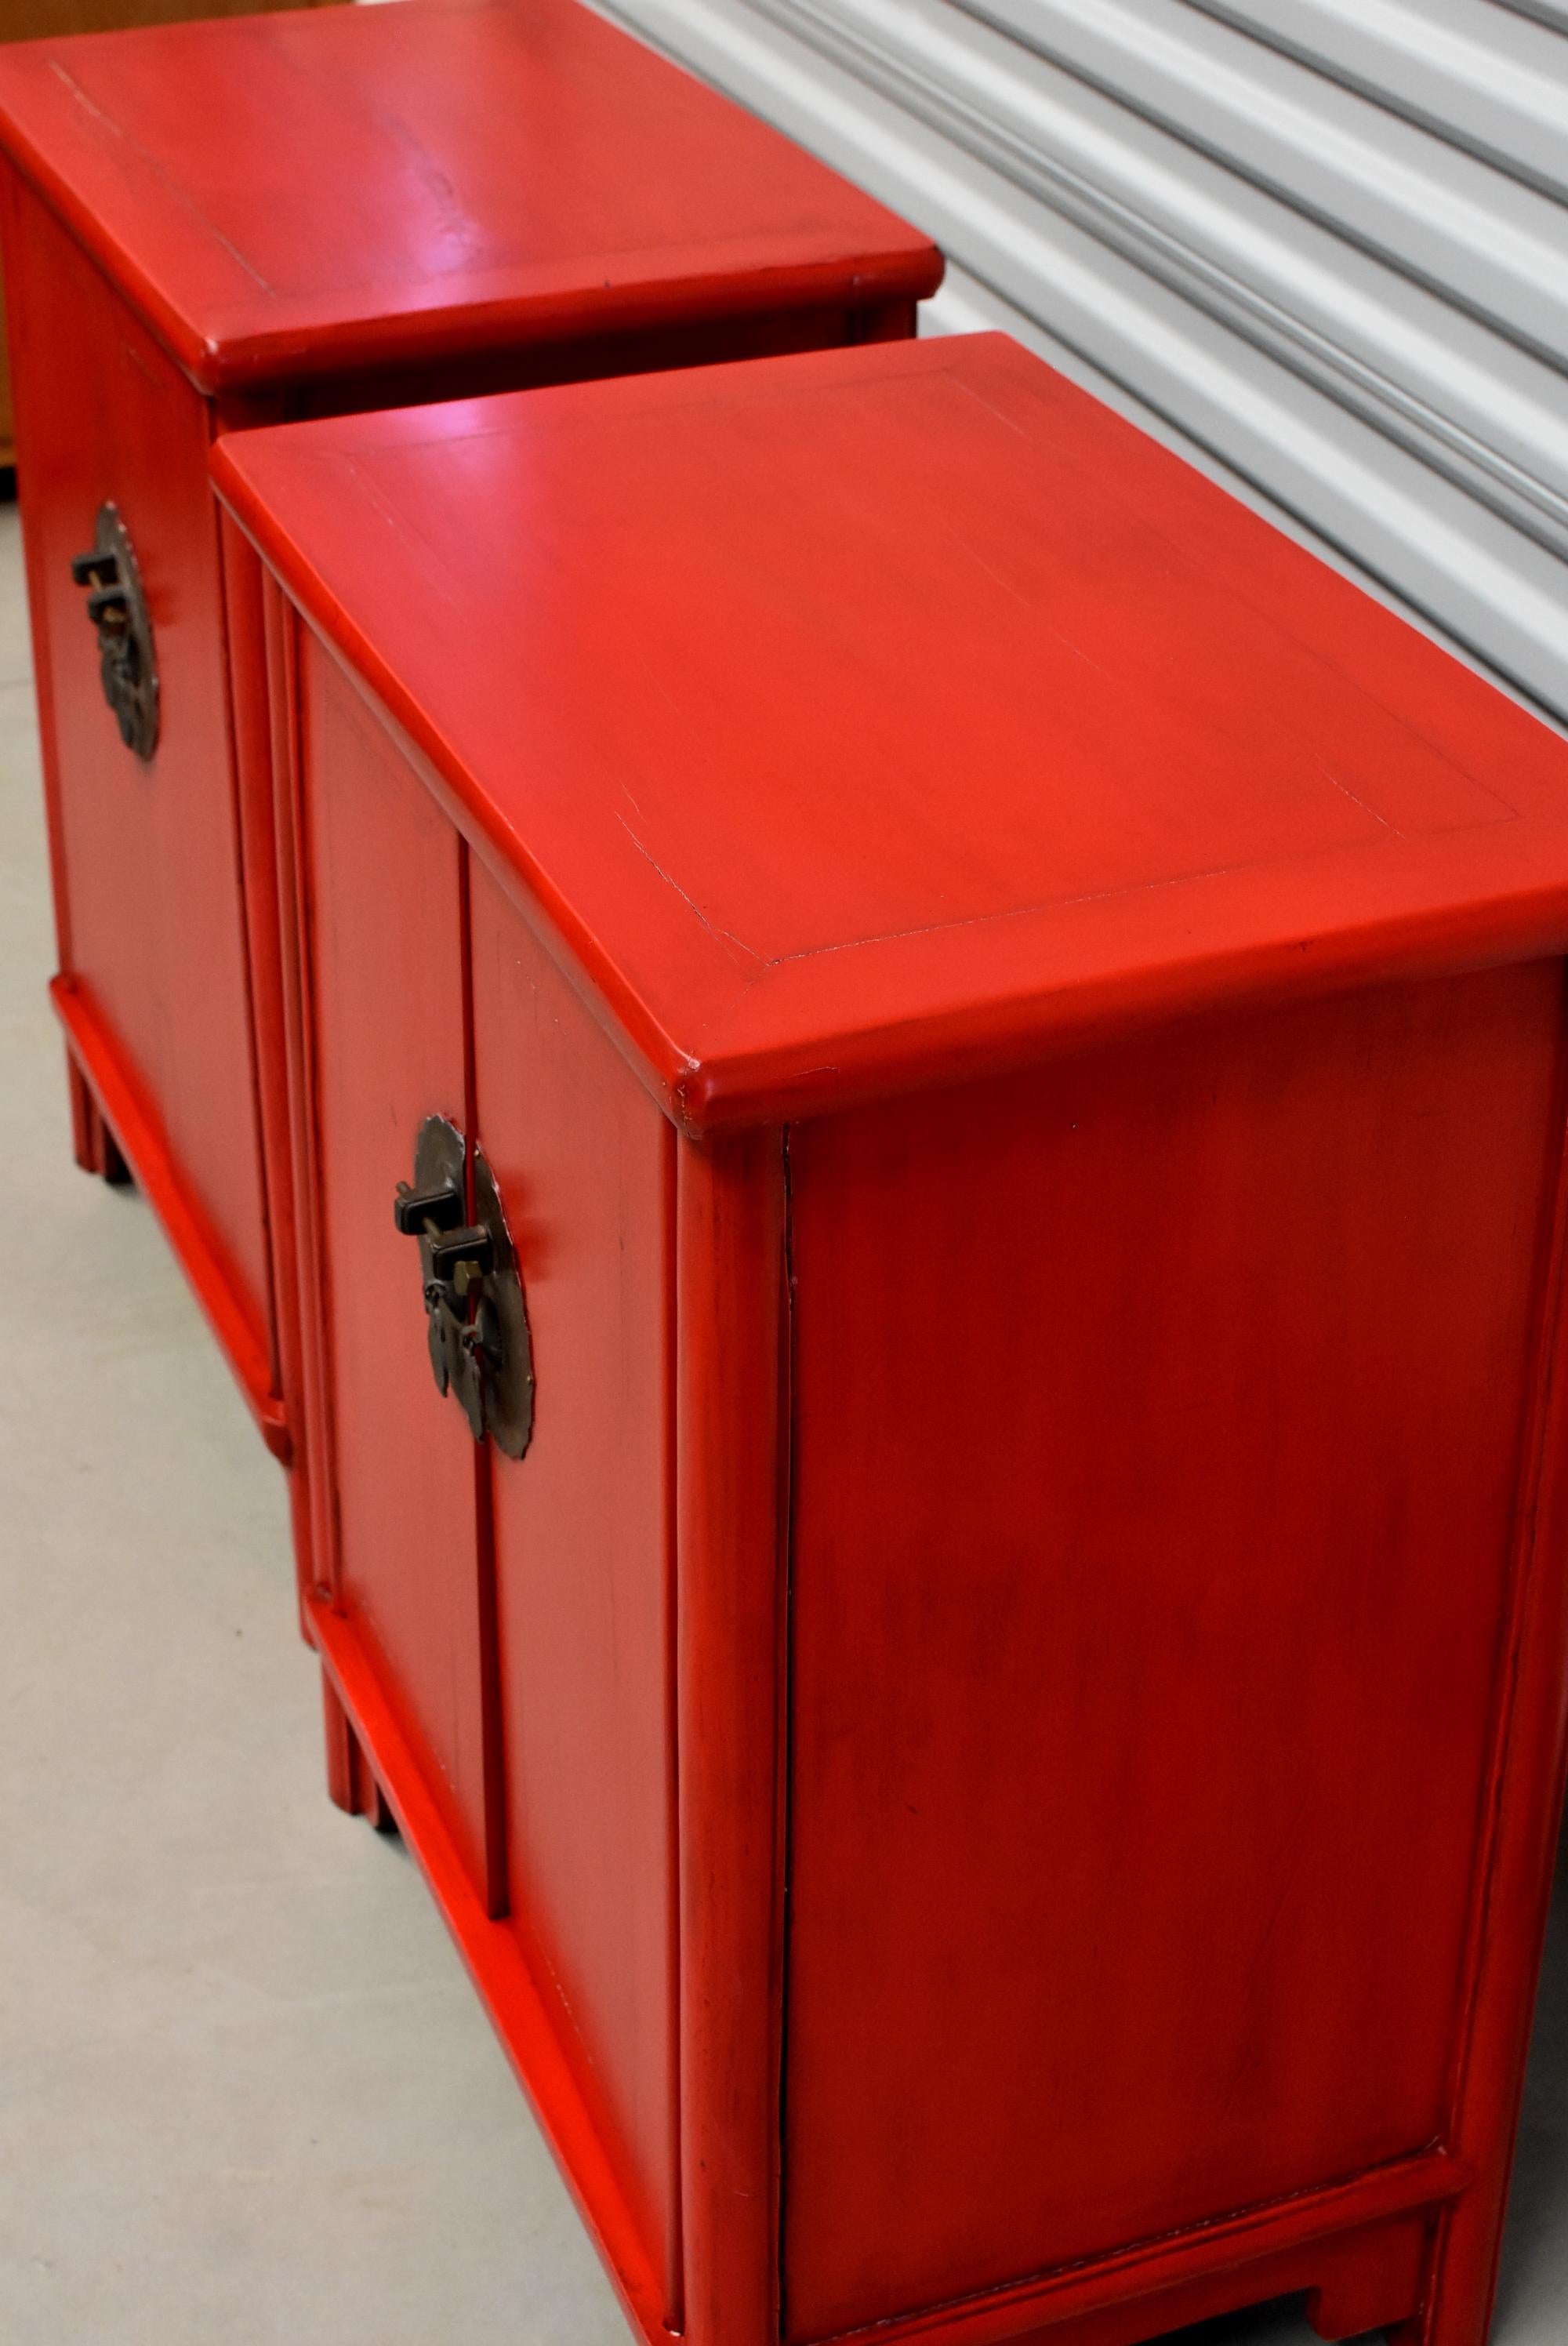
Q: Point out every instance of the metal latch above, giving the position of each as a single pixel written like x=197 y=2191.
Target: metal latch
x=117 y=607
x=480 y=1350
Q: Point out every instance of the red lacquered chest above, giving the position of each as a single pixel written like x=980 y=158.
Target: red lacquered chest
x=212 y=226
x=953 y=1053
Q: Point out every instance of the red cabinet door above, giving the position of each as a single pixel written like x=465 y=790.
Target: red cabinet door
x=584 y=1159
x=146 y=853
x=383 y=879
x=517 y=1611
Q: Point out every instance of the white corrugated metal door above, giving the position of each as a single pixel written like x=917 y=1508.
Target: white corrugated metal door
x=1323 y=242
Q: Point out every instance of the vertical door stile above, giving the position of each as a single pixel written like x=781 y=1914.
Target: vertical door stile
x=250 y=750
x=310 y=1302
x=788 y=1430
x=238 y=581
x=579 y=1157
x=731 y=1501
x=497 y=1888
x=675 y=2252
x=1524 y=1794
x=13 y=206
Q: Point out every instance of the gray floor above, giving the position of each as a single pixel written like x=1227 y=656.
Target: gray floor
x=247 y=2097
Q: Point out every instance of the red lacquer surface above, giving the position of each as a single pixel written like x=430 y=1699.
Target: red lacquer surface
x=1110 y=1694
x=411 y=204
x=146 y=857
x=732 y=1397
x=1170 y=1479
x=386 y=964
x=1033 y=759
x=583 y=1525
x=514 y=1619
x=299 y=194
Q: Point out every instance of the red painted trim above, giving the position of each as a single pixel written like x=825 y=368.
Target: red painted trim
x=12 y=194
x=249 y=760
x=324 y=344
x=732 y=1480
x=1517 y=1859
x=498 y=1895
x=313 y=340
x=92 y=1142
x=317 y=1557
x=139 y=1136
x=249 y=728
x=669 y=1169
x=1158 y=2267
x=494 y=1955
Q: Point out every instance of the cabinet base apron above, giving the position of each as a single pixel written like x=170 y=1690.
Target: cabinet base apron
x=118 y=1135
x=1358 y=2251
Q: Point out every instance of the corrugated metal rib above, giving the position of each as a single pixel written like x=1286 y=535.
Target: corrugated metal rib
x=1350 y=304
x=1553 y=13
x=1416 y=201
x=1492 y=82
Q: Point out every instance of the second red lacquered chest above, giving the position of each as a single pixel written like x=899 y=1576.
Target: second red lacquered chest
x=212 y=226
x=928 y=1072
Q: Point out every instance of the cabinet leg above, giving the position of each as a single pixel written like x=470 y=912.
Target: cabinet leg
x=351 y=1780
x=1373 y=2282
x=1461 y=2278
x=95 y=1146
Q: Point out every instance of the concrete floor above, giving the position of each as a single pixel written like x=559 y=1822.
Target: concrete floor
x=247 y=2097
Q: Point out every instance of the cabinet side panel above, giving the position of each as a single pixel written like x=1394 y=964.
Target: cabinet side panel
x=583 y=1161
x=1158 y=1431
x=385 y=944
x=151 y=920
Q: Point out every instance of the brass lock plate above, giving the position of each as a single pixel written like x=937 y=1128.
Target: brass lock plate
x=116 y=608
x=476 y=1321
x=509 y=1345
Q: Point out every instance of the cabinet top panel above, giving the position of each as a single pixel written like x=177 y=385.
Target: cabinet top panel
x=291 y=195
x=857 y=721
